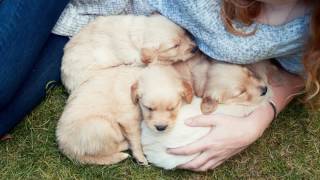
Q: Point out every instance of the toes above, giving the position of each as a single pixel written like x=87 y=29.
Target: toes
x=143 y=163
x=141 y=160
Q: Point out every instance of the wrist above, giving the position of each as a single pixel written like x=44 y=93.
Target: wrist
x=274 y=108
x=262 y=117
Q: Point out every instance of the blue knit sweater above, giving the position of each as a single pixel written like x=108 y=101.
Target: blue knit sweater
x=203 y=20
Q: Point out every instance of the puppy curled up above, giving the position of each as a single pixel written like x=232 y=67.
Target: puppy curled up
x=123 y=40
x=102 y=118
x=237 y=93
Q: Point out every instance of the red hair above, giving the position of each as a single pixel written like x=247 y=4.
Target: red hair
x=243 y=10
x=311 y=59
x=246 y=11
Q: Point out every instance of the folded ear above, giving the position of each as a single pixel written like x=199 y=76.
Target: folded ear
x=208 y=105
x=187 y=93
x=147 y=55
x=134 y=93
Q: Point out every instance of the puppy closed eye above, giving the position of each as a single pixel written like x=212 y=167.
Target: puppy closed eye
x=176 y=46
x=172 y=108
x=150 y=108
x=238 y=93
x=173 y=47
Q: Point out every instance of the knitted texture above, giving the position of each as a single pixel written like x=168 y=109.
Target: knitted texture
x=202 y=18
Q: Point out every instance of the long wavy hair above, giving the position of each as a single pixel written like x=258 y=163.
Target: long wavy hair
x=246 y=11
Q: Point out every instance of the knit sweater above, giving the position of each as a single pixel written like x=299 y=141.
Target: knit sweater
x=202 y=18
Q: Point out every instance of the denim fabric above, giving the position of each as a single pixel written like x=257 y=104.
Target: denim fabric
x=26 y=62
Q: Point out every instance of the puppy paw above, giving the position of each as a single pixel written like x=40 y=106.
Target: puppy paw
x=143 y=163
x=141 y=160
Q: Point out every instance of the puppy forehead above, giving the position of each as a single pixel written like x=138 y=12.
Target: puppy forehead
x=157 y=76
x=159 y=84
x=236 y=75
x=160 y=98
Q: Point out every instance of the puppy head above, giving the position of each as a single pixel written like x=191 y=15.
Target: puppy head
x=160 y=93
x=166 y=42
x=232 y=84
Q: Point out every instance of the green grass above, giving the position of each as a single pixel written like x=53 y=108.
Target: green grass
x=289 y=149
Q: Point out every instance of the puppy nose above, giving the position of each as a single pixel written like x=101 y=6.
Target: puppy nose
x=161 y=127
x=264 y=90
x=194 y=50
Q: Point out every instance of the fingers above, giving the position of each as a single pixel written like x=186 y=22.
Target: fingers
x=214 y=165
x=211 y=164
x=197 y=162
x=206 y=161
x=218 y=160
x=202 y=120
x=196 y=147
x=209 y=120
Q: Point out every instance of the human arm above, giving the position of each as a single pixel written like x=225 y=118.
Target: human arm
x=230 y=135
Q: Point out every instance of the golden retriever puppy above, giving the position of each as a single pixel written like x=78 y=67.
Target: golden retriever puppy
x=102 y=118
x=125 y=39
x=195 y=71
x=234 y=84
x=161 y=96
x=155 y=143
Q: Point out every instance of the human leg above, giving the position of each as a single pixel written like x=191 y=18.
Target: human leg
x=33 y=89
x=25 y=28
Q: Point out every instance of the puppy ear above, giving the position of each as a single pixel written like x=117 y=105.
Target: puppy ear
x=208 y=105
x=147 y=55
x=187 y=93
x=134 y=93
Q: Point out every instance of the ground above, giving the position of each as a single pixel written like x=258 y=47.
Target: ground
x=289 y=149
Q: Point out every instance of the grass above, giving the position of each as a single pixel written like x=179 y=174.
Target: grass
x=289 y=149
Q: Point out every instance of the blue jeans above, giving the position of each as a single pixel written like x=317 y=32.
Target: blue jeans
x=30 y=55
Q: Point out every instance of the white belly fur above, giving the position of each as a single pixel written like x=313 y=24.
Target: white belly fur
x=155 y=144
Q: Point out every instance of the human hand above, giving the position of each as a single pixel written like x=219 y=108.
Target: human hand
x=229 y=135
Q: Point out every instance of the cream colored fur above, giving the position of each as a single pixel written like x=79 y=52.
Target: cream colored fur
x=100 y=119
x=99 y=66
x=161 y=96
x=117 y=40
x=156 y=143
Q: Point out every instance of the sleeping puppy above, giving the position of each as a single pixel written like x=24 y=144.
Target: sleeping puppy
x=125 y=39
x=240 y=86
x=100 y=119
x=195 y=71
x=252 y=85
x=155 y=143
x=160 y=97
